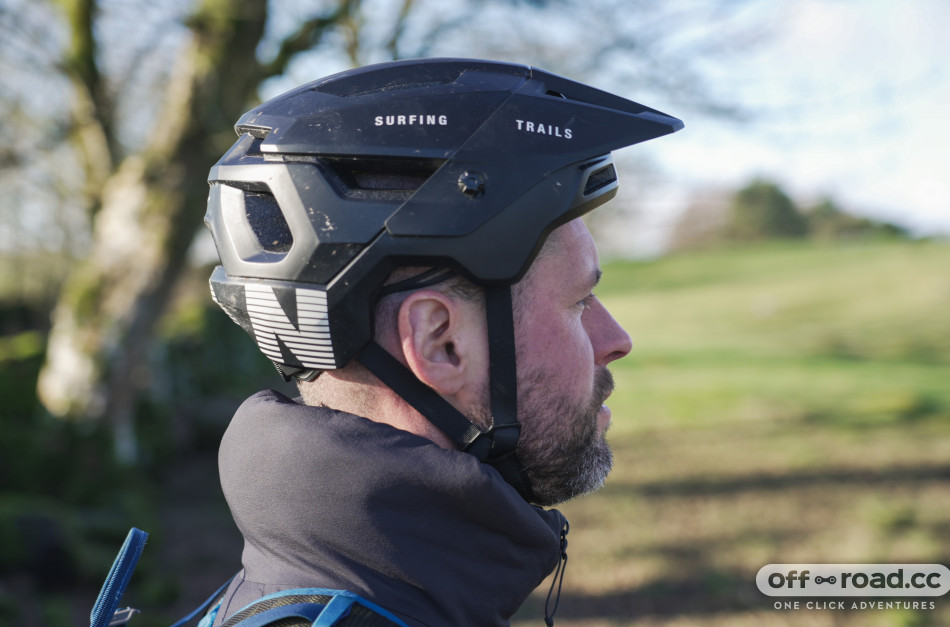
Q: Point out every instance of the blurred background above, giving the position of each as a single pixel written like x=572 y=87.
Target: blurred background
x=782 y=265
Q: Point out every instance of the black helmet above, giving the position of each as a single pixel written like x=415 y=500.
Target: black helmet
x=448 y=163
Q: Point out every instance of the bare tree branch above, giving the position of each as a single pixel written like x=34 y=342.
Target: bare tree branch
x=352 y=22
x=92 y=110
x=399 y=28
x=307 y=36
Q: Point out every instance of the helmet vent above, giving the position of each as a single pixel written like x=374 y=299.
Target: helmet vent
x=377 y=82
x=267 y=222
x=600 y=179
x=384 y=179
x=257 y=132
x=347 y=91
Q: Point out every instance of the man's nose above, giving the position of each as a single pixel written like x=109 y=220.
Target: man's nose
x=608 y=338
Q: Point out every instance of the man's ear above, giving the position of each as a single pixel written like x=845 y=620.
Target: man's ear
x=439 y=340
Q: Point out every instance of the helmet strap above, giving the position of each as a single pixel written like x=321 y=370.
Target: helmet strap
x=495 y=446
x=291 y=373
x=503 y=381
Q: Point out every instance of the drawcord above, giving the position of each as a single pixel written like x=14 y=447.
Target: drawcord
x=558 y=578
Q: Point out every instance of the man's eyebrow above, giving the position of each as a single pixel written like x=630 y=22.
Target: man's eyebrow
x=597 y=274
x=592 y=280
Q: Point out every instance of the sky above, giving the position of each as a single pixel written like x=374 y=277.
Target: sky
x=850 y=100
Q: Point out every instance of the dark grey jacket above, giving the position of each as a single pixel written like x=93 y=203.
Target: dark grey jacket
x=331 y=500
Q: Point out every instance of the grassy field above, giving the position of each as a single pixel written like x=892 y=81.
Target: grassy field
x=783 y=404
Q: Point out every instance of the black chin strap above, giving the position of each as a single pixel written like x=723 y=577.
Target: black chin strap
x=496 y=446
x=503 y=377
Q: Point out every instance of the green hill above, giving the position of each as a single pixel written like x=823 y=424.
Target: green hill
x=800 y=329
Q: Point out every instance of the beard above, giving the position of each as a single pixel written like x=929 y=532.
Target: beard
x=560 y=448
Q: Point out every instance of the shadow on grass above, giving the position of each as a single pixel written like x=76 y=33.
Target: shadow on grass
x=692 y=555
x=700 y=592
x=768 y=482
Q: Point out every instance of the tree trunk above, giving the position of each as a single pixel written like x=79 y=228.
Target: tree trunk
x=151 y=206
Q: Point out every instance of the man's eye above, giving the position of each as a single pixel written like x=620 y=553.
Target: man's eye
x=588 y=301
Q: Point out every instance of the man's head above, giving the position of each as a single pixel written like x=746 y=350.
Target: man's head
x=564 y=340
x=481 y=168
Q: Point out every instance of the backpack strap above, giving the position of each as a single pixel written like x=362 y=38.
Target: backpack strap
x=313 y=607
x=300 y=607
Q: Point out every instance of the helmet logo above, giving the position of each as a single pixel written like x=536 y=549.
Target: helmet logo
x=411 y=120
x=472 y=184
x=307 y=341
x=540 y=128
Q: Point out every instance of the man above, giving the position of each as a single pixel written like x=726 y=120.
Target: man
x=405 y=241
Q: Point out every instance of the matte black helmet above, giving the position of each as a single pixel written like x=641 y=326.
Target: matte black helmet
x=449 y=163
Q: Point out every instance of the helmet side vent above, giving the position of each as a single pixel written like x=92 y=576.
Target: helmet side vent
x=267 y=222
x=600 y=179
x=381 y=179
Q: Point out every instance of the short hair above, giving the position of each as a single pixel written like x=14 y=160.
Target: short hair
x=387 y=308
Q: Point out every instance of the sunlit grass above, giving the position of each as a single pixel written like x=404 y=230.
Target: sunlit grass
x=783 y=404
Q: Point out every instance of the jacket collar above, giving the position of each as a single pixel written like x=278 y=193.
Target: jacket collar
x=329 y=499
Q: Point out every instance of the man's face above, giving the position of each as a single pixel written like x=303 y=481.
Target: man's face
x=565 y=338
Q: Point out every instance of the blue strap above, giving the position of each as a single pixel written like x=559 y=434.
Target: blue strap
x=336 y=609
x=208 y=619
x=308 y=611
x=118 y=579
x=204 y=606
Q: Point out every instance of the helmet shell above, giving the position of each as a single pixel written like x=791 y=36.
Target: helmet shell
x=460 y=163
